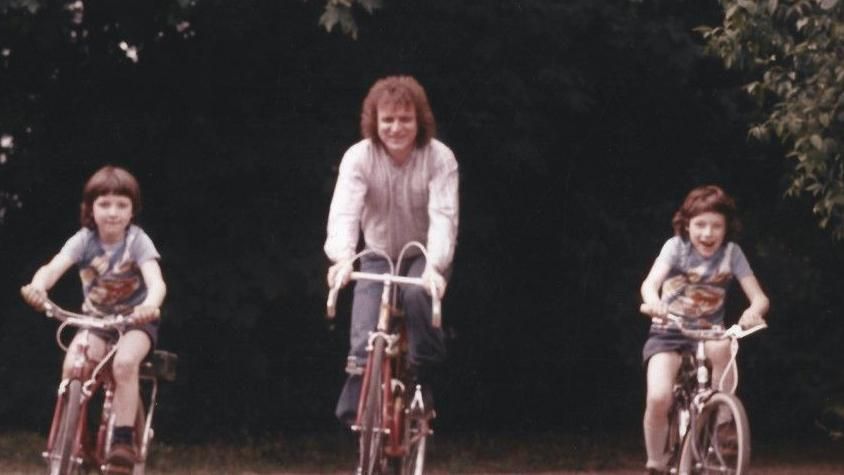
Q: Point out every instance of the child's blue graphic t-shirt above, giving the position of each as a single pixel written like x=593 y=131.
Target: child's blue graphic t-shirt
x=112 y=282
x=696 y=286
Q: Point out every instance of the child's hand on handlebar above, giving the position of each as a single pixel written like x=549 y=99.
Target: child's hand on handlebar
x=434 y=279
x=658 y=310
x=145 y=314
x=36 y=297
x=750 y=319
x=340 y=273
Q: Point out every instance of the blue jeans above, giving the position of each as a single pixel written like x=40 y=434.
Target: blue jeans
x=426 y=344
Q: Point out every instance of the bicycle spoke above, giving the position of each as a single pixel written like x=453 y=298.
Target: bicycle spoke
x=720 y=443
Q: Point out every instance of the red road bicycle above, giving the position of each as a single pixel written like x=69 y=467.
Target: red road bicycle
x=392 y=422
x=74 y=446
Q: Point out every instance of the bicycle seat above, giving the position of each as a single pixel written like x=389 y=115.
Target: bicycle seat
x=160 y=365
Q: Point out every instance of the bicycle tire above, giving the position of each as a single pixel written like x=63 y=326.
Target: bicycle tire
x=371 y=431
x=61 y=460
x=416 y=431
x=706 y=450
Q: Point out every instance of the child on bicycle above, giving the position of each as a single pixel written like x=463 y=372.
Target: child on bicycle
x=118 y=266
x=398 y=184
x=690 y=279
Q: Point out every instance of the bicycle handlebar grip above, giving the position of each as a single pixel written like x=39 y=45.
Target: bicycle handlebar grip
x=436 y=307
x=331 y=303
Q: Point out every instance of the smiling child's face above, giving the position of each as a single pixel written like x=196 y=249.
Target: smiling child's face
x=707 y=231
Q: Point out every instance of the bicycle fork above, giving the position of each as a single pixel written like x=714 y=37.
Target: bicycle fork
x=77 y=372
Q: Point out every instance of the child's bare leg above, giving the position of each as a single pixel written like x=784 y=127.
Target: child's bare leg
x=662 y=368
x=96 y=350
x=718 y=353
x=132 y=349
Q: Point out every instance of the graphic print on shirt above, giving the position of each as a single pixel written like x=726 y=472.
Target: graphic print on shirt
x=111 y=281
x=699 y=292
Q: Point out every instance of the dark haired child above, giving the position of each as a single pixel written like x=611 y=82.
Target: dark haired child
x=118 y=266
x=690 y=279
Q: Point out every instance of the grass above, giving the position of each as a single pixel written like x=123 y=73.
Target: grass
x=336 y=452
x=450 y=453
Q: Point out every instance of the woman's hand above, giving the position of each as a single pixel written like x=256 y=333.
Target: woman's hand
x=145 y=314
x=35 y=296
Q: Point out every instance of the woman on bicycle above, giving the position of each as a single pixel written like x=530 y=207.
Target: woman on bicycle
x=118 y=266
x=690 y=279
x=398 y=184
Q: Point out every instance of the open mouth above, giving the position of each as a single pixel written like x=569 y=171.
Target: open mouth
x=708 y=247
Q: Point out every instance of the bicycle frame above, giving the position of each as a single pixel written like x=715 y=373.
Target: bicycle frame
x=399 y=425
x=90 y=377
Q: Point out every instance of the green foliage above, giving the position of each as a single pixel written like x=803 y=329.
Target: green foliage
x=32 y=6
x=795 y=49
x=339 y=12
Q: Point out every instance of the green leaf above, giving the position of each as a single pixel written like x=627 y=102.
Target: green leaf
x=748 y=5
x=824 y=119
x=836 y=199
x=814 y=188
x=817 y=141
x=802 y=23
x=330 y=17
x=371 y=5
x=703 y=30
x=731 y=11
x=828 y=4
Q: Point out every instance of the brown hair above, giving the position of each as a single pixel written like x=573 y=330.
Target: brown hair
x=108 y=180
x=705 y=199
x=397 y=90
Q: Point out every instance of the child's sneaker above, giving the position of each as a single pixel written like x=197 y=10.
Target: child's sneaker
x=122 y=454
x=727 y=438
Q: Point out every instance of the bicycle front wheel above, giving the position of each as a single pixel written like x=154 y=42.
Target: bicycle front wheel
x=719 y=442
x=372 y=415
x=61 y=460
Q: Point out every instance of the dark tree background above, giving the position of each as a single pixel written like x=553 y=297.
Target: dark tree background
x=579 y=126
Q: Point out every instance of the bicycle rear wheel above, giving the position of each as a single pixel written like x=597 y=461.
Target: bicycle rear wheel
x=720 y=439
x=61 y=459
x=416 y=431
x=372 y=415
